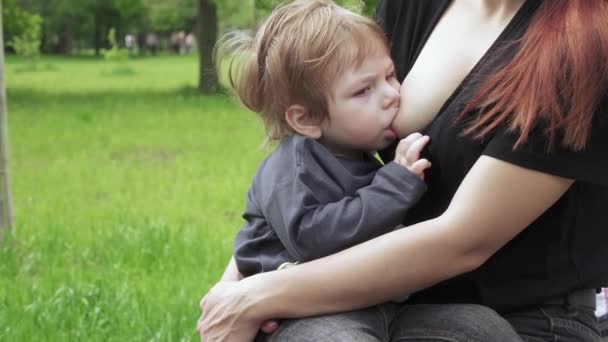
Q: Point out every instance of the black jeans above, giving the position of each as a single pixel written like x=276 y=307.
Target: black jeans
x=556 y=323
x=445 y=322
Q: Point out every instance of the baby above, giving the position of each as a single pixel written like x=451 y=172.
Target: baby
x=322 y=80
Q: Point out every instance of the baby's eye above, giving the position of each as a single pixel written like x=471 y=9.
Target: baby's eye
x=362 y=91
x=391 y=75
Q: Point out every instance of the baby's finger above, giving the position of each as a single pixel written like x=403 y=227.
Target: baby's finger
x=413 y=153
x=419 y=166
x=269 y=327
x=406 y=142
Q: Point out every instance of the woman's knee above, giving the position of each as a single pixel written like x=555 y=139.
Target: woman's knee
x=451 y=322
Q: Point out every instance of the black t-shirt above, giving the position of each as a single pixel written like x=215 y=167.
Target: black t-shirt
x=566 y=247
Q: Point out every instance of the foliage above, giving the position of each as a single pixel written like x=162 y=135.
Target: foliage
x=170 y=15
x=76 y=22
x=234 y=14
x=361 y=6
x=26 y=41
x=14 y=19
x=71 y=24
x=369 y=7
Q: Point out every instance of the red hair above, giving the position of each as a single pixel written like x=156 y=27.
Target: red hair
x=559 y=75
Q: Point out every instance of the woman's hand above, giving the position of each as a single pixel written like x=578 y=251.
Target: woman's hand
x=232 y=274
x=226 y=314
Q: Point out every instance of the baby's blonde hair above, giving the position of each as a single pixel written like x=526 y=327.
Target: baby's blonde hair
x=302 y=47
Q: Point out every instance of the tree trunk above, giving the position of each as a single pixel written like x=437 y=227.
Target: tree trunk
x=6 y=212
x=207 y=36
x=66 y=38
x=44 y=36
x=97 y=34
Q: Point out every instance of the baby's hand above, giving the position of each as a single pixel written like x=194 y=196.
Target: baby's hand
x=408 y=153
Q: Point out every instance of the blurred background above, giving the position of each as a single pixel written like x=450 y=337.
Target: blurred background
x=128 y=161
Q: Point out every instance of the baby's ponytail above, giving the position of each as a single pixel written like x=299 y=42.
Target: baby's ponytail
x=257 y=76
x=240 y=49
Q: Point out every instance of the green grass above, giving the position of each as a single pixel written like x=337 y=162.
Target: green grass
x=127 y=190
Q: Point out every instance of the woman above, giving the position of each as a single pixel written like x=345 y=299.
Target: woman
x=505 y=246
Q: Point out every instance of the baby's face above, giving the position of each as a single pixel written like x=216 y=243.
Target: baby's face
x=363 y=105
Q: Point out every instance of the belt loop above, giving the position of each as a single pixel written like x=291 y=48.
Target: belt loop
x=579 y=297
x=584 y=297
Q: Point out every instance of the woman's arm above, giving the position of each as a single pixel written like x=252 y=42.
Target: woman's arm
x=494 y=203
x=232 y=272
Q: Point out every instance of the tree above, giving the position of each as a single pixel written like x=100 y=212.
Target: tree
x=69 y=24
x=6 y=213
x=27 y=42
x=367 y=7
x=21 y=28
x=107 y=15
x=170 y=15
x=207 y=36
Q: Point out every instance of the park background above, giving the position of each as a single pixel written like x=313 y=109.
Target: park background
x=128 y=165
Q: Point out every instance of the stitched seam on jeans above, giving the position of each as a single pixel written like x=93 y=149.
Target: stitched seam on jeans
x=447 y=335
x=567 y=324
x=529 y=338
x=433 y=337
x=332 y=334
x=551 y=324
x=387 y=320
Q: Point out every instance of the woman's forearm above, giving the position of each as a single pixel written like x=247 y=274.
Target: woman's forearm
x=370 y=273
x=232 y=272
x=477 y=223
x=495 y=202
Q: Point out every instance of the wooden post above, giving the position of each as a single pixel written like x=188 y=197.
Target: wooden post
x=6 y=212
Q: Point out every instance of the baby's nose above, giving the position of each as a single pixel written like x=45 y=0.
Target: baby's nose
x=391 y=97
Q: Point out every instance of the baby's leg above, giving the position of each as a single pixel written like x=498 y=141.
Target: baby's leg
x=366 y=325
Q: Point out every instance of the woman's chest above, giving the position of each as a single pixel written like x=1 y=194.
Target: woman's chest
x=456 y=45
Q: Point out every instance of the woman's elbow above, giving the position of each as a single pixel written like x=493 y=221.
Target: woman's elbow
x=470 y=248
x=474 y=258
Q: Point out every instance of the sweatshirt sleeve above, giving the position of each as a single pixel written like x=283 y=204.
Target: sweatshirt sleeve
x=257 y=248
x=311 y=226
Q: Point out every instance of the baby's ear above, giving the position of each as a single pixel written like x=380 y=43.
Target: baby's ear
x=300 y=119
